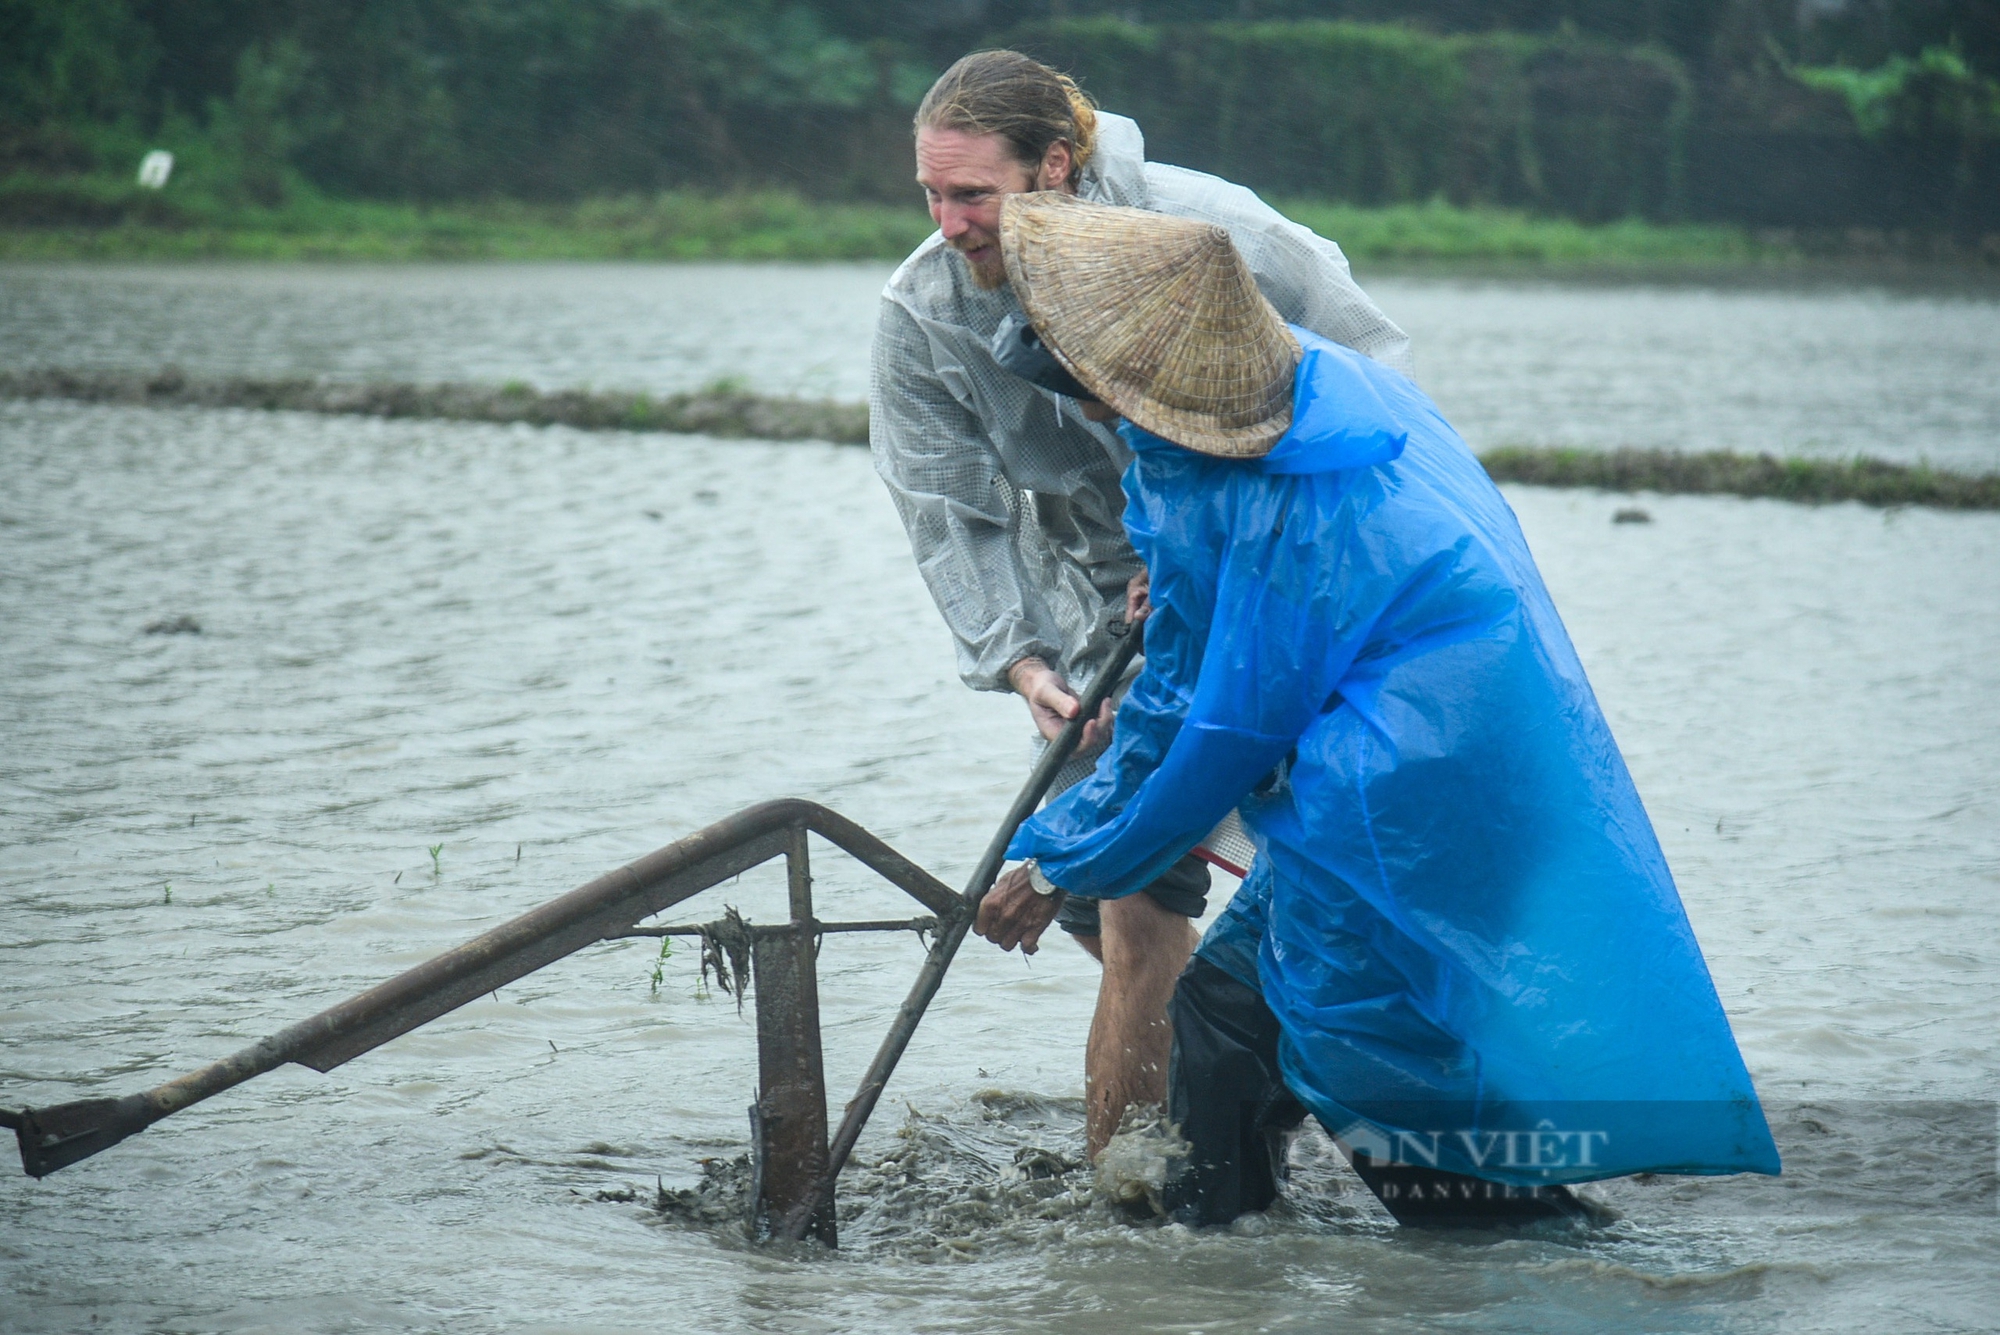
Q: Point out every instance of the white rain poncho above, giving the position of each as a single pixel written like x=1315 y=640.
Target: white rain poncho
x=1011 y=499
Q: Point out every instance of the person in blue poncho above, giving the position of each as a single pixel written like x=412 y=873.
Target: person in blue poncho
x=1459 y=946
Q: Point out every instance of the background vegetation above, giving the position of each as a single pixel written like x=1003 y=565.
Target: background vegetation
x=497 y=126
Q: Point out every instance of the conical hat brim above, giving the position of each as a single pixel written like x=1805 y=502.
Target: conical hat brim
x=1158 y=317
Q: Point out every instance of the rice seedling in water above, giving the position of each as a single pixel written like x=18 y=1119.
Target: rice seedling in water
x=435 y=849
x=660 y=964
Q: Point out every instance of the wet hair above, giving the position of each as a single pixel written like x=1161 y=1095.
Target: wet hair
x=1021 y=100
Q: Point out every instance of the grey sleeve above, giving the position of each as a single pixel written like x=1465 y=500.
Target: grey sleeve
x=1302 y=273
x=962 y=515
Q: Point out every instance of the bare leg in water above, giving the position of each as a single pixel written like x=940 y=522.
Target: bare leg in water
x=1143 y=949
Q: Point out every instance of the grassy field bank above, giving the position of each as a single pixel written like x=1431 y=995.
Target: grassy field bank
x=729 y=411
x=98 y=220
x=37 y=222
x=1720 y=473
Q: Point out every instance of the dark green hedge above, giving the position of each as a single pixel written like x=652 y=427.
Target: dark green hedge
x=267 y=101
x=1376 y=114
x=1558 y=123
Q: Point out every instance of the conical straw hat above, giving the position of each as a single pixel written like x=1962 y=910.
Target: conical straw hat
x=1157 y=316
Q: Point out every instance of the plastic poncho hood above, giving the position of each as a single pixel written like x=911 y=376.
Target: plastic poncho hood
x=1459 y=913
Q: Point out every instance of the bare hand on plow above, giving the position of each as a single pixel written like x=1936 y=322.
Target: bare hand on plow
x=1051 y=703
x=1012 y=914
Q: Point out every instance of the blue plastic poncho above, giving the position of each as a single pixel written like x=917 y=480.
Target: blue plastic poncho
x=1459 y=912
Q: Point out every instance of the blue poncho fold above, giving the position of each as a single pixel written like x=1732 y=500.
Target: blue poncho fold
x=1459 y=912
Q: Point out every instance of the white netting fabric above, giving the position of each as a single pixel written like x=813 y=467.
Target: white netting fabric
x=1011 y=500
x=1229 y=846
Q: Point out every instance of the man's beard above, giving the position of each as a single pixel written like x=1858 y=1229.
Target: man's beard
x=989 y=275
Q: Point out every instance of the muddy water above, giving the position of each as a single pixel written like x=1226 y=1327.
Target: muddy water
x=545 y=652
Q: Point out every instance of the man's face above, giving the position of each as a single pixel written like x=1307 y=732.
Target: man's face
x=965 y=176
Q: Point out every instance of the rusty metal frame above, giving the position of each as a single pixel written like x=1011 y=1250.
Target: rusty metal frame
x=796 y=1165
x=609 y=907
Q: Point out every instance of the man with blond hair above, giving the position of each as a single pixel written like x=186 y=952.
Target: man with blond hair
x=1012 y=499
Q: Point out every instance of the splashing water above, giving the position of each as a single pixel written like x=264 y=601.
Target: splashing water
x=1003 y=1172
x=1132 y=1170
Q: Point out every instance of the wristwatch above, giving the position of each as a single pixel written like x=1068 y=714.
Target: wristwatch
x=1043 y=885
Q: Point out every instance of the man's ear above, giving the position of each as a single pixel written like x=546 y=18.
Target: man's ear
x=1056 y=163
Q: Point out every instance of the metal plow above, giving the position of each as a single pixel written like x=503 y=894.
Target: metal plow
x=796 y=1163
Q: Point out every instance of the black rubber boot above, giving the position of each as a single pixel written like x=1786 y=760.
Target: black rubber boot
x=1226 y=1094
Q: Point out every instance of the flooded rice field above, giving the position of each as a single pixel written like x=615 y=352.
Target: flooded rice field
x=543 y=652
x=1805 y=368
